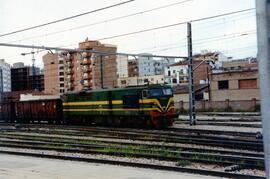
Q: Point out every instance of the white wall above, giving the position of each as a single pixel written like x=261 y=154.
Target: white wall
x=6 y=75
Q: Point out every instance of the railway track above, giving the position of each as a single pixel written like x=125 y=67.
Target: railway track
x=146 y=135
x=183 y=147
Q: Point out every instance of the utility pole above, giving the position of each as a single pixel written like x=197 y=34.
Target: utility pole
x=263 y=35
x=192 y=112
x=1 y=85
x=101 y=72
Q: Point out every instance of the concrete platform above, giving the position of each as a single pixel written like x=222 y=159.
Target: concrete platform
x=14 y=167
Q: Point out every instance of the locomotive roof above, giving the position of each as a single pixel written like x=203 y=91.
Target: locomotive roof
x=117 y=89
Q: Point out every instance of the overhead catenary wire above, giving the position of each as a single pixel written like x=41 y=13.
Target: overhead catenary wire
x=67 y=18
x=103 y=21
x=165 y=26
x=172 y=25
x=162 y=27
x=204 y=40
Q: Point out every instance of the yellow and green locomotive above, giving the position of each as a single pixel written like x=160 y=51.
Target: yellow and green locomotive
x=140 y=106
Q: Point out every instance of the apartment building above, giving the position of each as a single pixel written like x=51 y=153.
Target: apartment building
x=133 y=68
x=85 y=71
x=53 y=73
x=122 y=66
x=23 y=78
x=146 y=65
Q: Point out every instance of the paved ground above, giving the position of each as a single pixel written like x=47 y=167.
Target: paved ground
x=14 y=167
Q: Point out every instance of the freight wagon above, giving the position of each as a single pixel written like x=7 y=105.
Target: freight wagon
x=7 y=111
x=32 y=111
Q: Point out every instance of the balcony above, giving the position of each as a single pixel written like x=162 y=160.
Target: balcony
x=87 y=77
x=86 y=61
x=87 y=69
x=70 y=64
x=69 y=72
x=87 y=83
x=70 y=86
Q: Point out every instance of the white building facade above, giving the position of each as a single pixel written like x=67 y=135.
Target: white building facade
x=122 y=66
x=176 y=74
x=146 y=65
x=5 y=81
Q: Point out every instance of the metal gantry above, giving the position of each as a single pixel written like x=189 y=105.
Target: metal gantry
x=1 y=85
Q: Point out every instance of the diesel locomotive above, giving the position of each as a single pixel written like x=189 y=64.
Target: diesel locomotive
x=140 y=106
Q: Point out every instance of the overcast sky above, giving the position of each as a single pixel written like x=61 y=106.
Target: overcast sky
x=234 y=35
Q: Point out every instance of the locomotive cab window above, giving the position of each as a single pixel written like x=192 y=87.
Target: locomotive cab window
x=167 y=91
x=156 y=92
x=131 y=101
x=145 y=94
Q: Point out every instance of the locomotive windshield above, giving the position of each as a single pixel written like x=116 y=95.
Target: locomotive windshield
x=160 y=91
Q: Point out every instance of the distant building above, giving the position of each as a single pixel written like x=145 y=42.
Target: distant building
x=161 y=65
x=53 y=73
x=239 y=64
x=122 y=66
x=90 y=70
x=177 y=73
x=140 y=80
x=146 y=65
x=133 y=68
x=5 y=80
x=217 y=57
x=22 y=78
x=234 y=85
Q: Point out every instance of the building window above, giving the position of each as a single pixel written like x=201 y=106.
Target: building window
x=61 y=79
x=61 y=68
x=61 y=62
x=62 y=85
x=61 y=73
x=123 y=82
x=247 y=84
x=174 y=80
x=169 y=73
x=224 y=84
x=181 y=71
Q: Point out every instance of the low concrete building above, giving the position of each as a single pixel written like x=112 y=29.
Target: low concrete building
x=234 y=85
x=140 y=80
x=181 y=93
